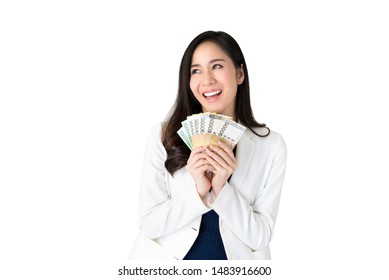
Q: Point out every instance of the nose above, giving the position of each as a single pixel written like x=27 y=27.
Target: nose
x=208 y=78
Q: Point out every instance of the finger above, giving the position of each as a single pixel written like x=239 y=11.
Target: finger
x=222 y=157
x=200 y=163
x=226 y=149
x=221 y=168
x=216 y=160
x=207 y=168
x=195 y=155
x=203 y=169
x=214 y=163
x=196 y=151
x=229 y=151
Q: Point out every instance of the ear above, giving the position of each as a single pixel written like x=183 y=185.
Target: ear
x=240 y=74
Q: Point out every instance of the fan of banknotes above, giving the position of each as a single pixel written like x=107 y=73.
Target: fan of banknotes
x=208 y=128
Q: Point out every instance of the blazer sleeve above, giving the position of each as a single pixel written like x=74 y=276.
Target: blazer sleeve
x=161 y=212
x=253 y=223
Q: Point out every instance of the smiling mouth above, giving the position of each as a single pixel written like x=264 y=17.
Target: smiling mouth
x=212 y=93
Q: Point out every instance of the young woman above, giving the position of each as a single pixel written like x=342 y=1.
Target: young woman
x=187 y=212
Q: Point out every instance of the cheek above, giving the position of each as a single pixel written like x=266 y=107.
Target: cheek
x=193 y=85
x=232 y=81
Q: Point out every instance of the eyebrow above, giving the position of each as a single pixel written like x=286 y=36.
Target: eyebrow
x=212 y=61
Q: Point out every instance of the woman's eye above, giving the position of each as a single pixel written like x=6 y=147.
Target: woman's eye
x=195 y=71
x=217 y=66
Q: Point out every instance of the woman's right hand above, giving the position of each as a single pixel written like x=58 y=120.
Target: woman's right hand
x=199 y=168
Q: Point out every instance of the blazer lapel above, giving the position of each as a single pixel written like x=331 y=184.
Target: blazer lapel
x=244 y=153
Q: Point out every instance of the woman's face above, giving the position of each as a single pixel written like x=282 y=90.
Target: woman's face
x=214 y=79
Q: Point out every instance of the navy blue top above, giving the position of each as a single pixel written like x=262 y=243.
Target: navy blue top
x=209 y=244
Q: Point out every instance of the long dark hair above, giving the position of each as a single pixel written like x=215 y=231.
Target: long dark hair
x=186 y=104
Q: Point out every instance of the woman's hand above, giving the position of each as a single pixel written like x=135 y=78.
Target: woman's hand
x=223 y=161
x=197 y=166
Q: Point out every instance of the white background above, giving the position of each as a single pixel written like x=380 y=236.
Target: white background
x=82 y=82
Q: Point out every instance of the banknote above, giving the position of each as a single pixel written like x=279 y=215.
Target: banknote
x=231 y=131
x=208 y=128
x=185 y=137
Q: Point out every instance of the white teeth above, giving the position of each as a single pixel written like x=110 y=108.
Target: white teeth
x=208 y=94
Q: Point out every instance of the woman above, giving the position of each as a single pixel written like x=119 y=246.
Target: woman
x=187 y=212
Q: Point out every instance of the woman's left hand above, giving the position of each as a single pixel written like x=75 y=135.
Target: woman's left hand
x=223 y=160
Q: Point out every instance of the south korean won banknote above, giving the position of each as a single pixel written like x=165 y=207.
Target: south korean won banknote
x=208 y=128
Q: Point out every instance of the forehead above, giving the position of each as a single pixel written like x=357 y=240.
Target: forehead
x=207 y=51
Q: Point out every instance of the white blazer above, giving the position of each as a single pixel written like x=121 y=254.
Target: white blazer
x=171 y=209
